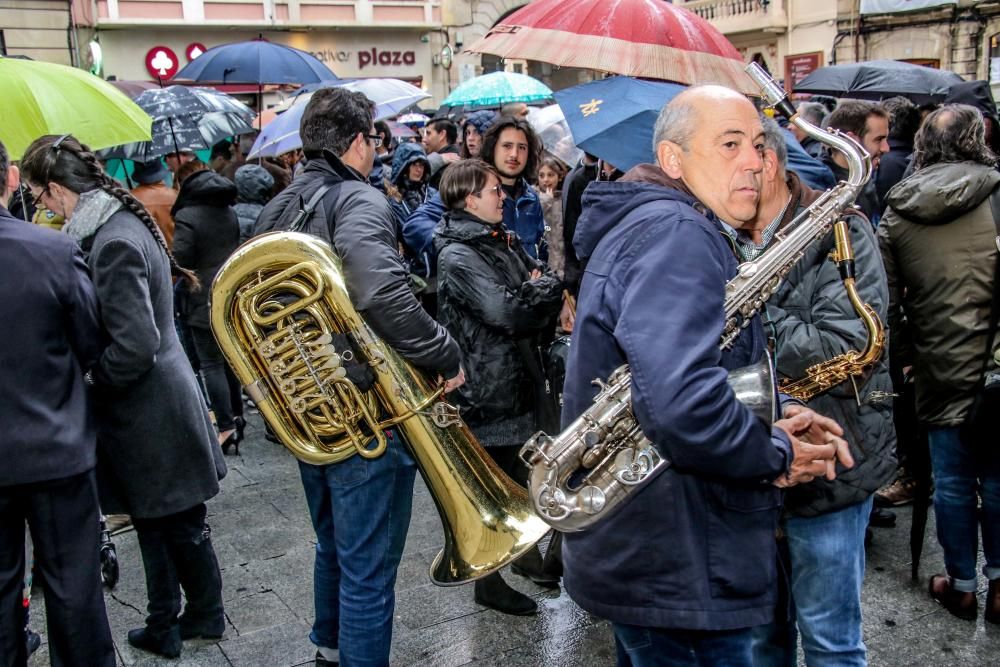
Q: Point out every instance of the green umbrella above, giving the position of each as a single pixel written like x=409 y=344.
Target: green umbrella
x=43 y=98
x=497 y=89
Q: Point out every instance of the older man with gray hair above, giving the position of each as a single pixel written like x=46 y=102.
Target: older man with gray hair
x=813 y=320
x=687 y=568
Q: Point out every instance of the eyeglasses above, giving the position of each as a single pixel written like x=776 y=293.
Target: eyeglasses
x=498 y=189
x=376 y=139
x=36 y=199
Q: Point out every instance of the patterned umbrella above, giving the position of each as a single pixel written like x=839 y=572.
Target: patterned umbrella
x=413 y=120
x=496 y=89
x=185 y=119
x=641 y=38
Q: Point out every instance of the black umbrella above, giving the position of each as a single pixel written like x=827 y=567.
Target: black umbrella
x=185 y=119
x=880 y=79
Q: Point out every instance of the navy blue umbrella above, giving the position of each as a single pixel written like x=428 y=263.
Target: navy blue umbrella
x=256 y=61
x=613 y=118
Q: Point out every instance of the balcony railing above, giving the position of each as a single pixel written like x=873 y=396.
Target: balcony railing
x=735 y=16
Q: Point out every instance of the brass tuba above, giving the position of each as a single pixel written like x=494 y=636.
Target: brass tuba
x=283 y=318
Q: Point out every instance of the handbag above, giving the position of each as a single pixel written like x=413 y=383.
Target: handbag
x=981 y=420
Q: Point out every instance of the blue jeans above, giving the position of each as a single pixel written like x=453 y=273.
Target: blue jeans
x=360 y=511
x=827 y=569
x=638 y=646
x=963 y=470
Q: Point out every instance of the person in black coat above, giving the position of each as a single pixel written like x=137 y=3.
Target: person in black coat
x=51 y=334
x=498 y=303
x=157 y=455
x=206 y=232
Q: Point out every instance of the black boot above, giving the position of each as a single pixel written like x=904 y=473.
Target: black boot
x=530 y=565
x=493 y=592
x=198 y=572
x=552 y=563
x=168 y=645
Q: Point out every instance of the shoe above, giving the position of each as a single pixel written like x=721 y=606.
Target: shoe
x=201 y=630
x=117 y=523
x=169 y=645
x=898 y=493
x=493 y=592
x=231 y=441
x=882 y=518
x=530 y=566
x=270 y=436
x=962 y=605
x=34 y=642
x=323 y=662
x=240 y=425
x=992 y=611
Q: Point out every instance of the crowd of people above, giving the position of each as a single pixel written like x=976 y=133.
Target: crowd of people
x=474 y=253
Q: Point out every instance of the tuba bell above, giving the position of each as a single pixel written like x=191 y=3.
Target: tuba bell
x=285 y=323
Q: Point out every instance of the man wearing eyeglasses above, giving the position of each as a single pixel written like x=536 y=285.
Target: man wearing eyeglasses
x=360 y=508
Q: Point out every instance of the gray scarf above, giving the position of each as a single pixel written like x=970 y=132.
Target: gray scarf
x=94 y=209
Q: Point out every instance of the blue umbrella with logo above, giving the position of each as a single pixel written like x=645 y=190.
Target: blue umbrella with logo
x=613 y=118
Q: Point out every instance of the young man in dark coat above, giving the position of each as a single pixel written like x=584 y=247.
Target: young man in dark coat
x=813 y=320
x=868 y=124
x=687 y=567
x=360 y=508
x=51 y=335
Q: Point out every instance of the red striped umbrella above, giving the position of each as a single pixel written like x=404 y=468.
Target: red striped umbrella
x=652 y=39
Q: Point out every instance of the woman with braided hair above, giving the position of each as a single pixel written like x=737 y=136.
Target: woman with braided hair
x=158 y=457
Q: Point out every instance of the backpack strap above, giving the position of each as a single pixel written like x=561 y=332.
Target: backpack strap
x=306 y=211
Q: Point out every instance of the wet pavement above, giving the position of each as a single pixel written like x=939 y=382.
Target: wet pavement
x=265 y=544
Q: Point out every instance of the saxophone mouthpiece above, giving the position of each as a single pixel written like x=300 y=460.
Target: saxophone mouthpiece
x=773 y=94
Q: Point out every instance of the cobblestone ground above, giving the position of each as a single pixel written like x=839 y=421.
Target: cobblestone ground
x=261 y=531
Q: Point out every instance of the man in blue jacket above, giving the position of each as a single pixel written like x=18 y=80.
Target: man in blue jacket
x=687 y=567
x=51 y=335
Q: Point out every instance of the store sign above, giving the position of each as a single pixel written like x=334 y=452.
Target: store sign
x=162 y=62
x=194 y=50
x=898 y=6
x=799 y=66
x=368 y=58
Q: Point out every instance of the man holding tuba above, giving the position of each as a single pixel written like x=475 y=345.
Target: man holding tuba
x=360 y=507
x=832 y=355
x=687 y=567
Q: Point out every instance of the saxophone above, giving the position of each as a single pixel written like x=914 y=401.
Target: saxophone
x=585 y=473
x=848 y=366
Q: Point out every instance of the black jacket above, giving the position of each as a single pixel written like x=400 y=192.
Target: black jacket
x=51 y=334
x=488 y=302
x=206 y=232
x=356 y=220
x=867 y=199
x=574 y=185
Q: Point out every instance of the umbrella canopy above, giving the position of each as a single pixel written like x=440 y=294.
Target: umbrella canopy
x=614 y=118
x=282 y=134
x=390 y=96
x=42 y=98
x=186 y=118
x=643 y=38
x=497 y=88
x=550 y=126
x=256 y=61
x=133 y=88
x=879 y=79
x=413 y=119
x=401 y=131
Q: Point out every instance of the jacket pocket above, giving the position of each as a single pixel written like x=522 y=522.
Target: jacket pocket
x=741 y=540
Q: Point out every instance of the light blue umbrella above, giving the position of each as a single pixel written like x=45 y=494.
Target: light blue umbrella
x=496 y=89
x=282 y=134
x=613 y=118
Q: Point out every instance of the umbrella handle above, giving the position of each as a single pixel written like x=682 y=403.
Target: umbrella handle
x=177 y=150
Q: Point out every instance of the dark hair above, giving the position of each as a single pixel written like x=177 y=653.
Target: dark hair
x=953 y=133
x=188 y=168
x=556 y=165
x=64 y=160
x=444 y=125
x=332 y=119
x=492 y=136
x=382 y=129
x=904 y=118
x=4 y=166
x=461 y=179
x=814 y=112
x=852 y=116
